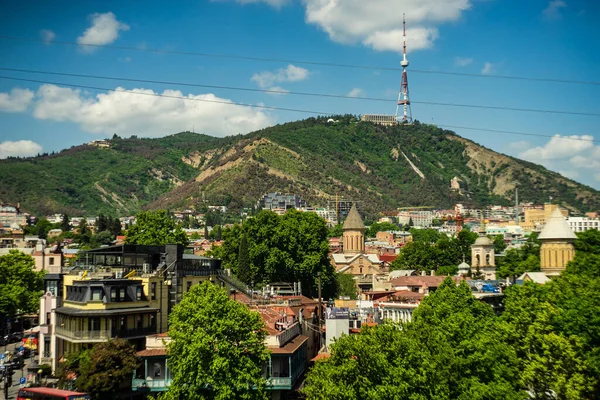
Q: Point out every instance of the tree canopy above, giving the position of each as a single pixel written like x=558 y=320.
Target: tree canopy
x=289 y=248
x=155 y=228
x=380 y=227
x=102 y=371
x=217 y=349
x=20 y=285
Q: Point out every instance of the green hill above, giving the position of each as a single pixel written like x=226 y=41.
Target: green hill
x=383 y=167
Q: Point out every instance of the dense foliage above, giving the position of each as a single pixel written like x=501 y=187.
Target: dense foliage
x=155 y=228
x=357 y=160
x=546 y=344
x=288 y=248
x=20 y=285
x=102 y=371
x=217 y=349
x=517 y=261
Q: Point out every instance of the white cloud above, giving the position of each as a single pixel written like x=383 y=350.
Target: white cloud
x=291 y=73
x=462 y=61
x=16 y=101
x=552 y=12
x=487 y=69
x=21 y=148
x=378 y=23
x=356 y=92
x=580 y=161
x=392 y=40
x=47 y=35
x=104 y=30
x=559 y=147
x=127 y=113
x=597 y=177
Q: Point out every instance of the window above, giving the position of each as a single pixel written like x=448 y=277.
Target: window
x=153 y=290
x=48 y=318
x=139 y=322
x=113 y=294
x=122 y=294
x=96 y=294
x=123 y=323
x=157 y=370
x=189 y=286
x=94 y=324
x=138 y=293
x=152 y=320
x=51 y=261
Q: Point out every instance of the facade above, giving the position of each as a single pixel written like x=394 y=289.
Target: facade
x=581 y=224
x=557 y=244
x=535 y=218
x=11 y=217
x=482 y=256
x=49 y=259
x=380 y=119
x=278 y=201
x=420 y=219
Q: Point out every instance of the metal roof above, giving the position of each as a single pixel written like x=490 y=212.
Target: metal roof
x=557 y=228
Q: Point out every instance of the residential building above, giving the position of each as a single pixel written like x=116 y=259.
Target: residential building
x=11 y=216
x=154 y=374
x=380 y=119
x=49 y=259
x=581 y=224
x=535 y=218
x=419 y=219
x=275 y=200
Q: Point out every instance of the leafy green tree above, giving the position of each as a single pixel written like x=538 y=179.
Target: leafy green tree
x=429 y=236
x=335 y=231
x=20 y=285
x=42 y=227
x=155 y=228
x=104 y=370
x=346 y=286
x=115 y=227
x=466 y=239
x=217 y=349
x=289 y=248
x=451 y=350
x=104 y=238
x=243 y=268
x=447 y=270
x=380 y=227
x=588 y=241
x=499 y=244
x=102 y=223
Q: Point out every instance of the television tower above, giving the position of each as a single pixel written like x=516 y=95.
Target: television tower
x=403 y=100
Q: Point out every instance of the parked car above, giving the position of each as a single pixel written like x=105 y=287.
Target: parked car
x=489 y=288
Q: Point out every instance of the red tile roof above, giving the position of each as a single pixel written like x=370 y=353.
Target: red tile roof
x=428 y=281
x=152 y=353
x=321 y=356
x=291 y=346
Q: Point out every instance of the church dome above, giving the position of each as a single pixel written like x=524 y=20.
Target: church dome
x=463 y=266
x=483 y=241
x=557 y=228
x=353 y=222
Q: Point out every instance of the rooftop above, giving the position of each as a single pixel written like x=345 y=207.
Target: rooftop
x=354 y=220
x=557 y=227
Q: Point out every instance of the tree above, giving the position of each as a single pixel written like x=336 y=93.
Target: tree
x=346 y=286
x=243 y=267
x=65 y=224
x=102 y=370
x=380 y=227
x=102 y=223
x=429 y=236
x=335 y=231
x=20 y=285
x=115 y=227
x=217 y=349
x=155 y=228
x=588 y=241
x=451 y=350
x=499 y=244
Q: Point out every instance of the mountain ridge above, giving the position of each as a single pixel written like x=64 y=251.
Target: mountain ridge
x=383 y=167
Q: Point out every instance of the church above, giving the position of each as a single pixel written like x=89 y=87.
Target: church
x=353 y=259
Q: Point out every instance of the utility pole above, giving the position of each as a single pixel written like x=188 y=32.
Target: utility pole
x=517 y=205
x=320 y=309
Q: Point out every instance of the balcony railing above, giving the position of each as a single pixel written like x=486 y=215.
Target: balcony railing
x=155 y=385
x=101 y=335
x=279 y=383
x=291 y=332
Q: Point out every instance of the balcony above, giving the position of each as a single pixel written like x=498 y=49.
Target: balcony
x=102 y=335
x=279 y=383
x=154 y=385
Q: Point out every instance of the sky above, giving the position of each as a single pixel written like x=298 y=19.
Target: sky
x=180 y=48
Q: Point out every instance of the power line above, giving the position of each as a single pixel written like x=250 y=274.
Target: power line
x=267 y=107
x=274 y=91
x=305 y=62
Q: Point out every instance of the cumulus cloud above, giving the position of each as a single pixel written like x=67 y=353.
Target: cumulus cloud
x=142 y=112
x=104 y=30
x=487 y=69
x=378 y=23
x=580 y=161
x=47 y=35
x=559 y=147
x=462 y=61
x=356 y=92
x=21 y=148
x=552 y=12
x=16 y=101
x=291 y=73
x=273 y=3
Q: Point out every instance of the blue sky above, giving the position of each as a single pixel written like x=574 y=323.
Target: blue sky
x=554 y=39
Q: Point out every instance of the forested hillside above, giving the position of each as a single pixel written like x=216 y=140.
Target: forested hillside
x=383 y=167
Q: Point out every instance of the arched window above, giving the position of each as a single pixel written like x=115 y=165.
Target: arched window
x=477 y=260
x=487 y=259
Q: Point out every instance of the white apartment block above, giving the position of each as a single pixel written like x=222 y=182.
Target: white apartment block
x=580 y=224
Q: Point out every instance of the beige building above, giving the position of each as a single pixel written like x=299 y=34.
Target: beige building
x=482 y=256
x=557 y=244
x=535 y=218
x=380 y=119
x=354 y=233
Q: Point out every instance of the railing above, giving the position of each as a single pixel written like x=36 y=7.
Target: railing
x=157 y=384
x=104 y=334
x=234 y=282
x=291 y=332
x=279 y=383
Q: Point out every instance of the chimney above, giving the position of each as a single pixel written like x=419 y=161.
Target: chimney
x=423 y=273
x=432 y=272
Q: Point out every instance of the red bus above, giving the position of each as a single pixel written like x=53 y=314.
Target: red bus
x=44 y=393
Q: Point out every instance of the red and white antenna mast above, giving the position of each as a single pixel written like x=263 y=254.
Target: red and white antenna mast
x=403 y=99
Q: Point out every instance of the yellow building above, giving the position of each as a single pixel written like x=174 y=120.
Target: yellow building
x=557 y=244
x=354 y=233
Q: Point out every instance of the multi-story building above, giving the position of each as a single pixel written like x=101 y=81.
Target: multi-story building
x=380 y=119
x=275 y=200
x=11 y=217
x=581 y=224
x=421 y=219
x=535 y=218
x=122 y=291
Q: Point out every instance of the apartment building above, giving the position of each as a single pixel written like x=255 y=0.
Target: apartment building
x=581 y=224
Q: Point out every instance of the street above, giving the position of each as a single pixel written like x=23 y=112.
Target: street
x=17 y=374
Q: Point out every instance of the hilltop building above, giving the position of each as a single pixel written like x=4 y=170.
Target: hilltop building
x=557 y=244
x=278 y=201
x=380 y=119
